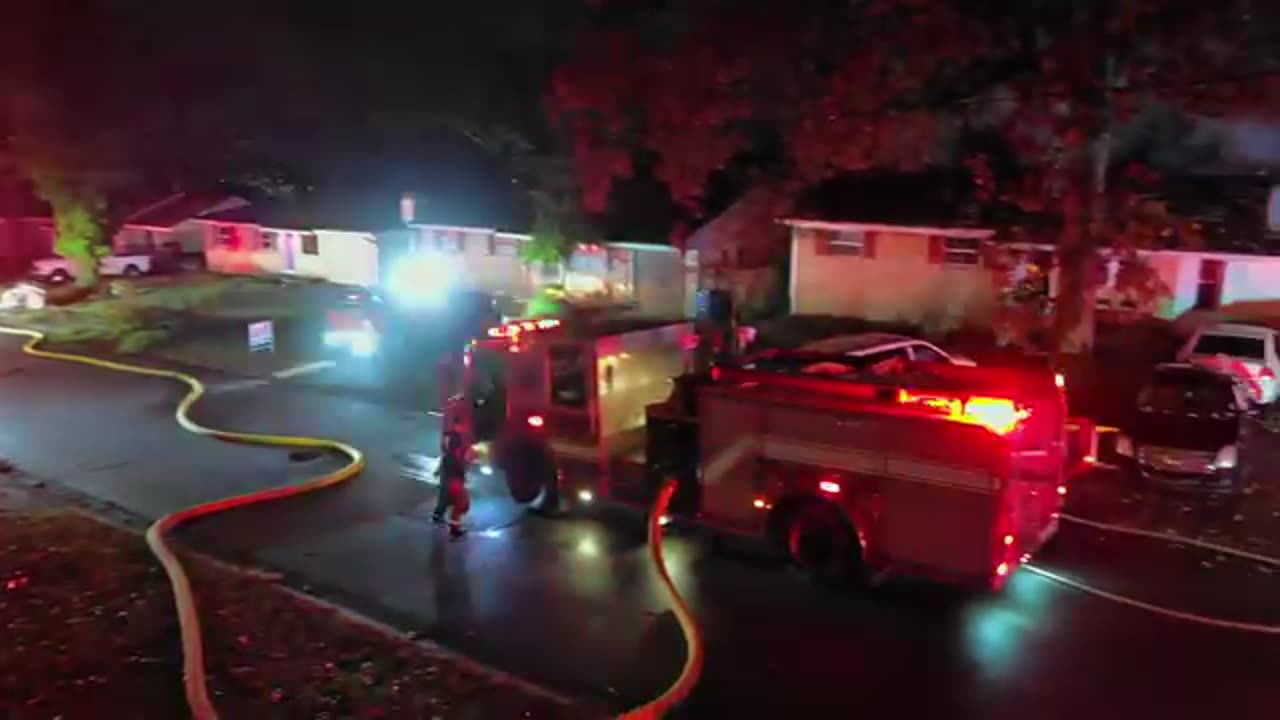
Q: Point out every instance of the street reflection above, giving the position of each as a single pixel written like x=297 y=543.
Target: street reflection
x=997 y=629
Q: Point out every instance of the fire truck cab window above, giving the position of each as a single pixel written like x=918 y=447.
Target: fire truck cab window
x=568 y=376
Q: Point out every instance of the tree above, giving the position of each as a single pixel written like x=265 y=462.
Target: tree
x=75 y=175
x=135 y=102
x=558 y=228
x=901 y=84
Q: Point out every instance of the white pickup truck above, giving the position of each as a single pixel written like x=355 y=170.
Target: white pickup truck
x=60 y=270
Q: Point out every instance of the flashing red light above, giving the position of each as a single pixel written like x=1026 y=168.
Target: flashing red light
x=999 y=415
x=1060 y=381
x=1002 y=569
x=1090 y=460
x=715 y=374
x=1008 y=539
x=1062 y=489
x=513 y=329
x=536 y=421
x=829 y=487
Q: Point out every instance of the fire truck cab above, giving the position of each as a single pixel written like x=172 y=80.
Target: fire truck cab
x=956 y=473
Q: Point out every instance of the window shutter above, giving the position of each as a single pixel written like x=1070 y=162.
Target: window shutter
x=822 y=242
x=937 y=249
x=869 y=244
x=990 y=255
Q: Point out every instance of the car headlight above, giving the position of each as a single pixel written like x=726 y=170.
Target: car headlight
x=364 y=344
x=1124 y=446
x=1226 y=458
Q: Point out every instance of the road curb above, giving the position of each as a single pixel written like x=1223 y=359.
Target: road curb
x=277 y=579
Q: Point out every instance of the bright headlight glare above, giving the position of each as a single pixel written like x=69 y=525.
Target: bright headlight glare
x=422 y=279
x=364 y=344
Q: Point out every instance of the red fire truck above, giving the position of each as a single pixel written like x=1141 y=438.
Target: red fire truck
x=955 y=473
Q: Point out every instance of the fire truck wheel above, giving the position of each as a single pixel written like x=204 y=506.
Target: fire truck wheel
x=823 y=543
x=530 y=470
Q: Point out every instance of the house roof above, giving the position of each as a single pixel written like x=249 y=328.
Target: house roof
x=312 y=214
x=955 y=232
x=179 y=207
x=749 y=226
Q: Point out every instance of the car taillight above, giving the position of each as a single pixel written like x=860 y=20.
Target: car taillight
x=536 y=421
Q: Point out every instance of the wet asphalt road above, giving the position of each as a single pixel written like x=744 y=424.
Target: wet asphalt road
x=573 y=604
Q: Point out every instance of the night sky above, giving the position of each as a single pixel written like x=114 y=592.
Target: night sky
x=361 y=100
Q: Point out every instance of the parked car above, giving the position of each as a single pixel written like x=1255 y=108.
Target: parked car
x=356 y=323
x=854 y=355
x=23 y=296
x=1191 y=429
x=57 y=271
x=868 y=349
x=364 y=322
x=1247 y=351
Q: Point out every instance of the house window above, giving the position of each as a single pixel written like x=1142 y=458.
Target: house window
x=449 y=241
x=1209 y=290
x=310 y=244
x=961 y=251
x=849 y=243
x=267 y=240
x=503 y=246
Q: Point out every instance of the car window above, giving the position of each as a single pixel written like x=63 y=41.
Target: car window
x=926 y=353
x=1185 y=394
x=1231 y=345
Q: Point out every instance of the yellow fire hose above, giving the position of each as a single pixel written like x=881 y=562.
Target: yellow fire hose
x=189 y=620
x=684 y=683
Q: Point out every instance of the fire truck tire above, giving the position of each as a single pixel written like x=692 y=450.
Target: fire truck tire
x=530 y=470
x=823 y=543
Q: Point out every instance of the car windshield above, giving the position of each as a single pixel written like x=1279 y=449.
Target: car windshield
x=1231 y=345
x=1187 y=393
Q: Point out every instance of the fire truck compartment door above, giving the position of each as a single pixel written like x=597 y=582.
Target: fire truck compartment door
x=940 y=497
x=730 y=438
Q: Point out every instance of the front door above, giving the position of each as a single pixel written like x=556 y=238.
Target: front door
x=289 y=248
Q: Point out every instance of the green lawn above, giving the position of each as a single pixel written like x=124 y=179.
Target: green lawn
x=130 y=317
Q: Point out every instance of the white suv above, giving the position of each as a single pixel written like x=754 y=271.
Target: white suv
x=1246 y=351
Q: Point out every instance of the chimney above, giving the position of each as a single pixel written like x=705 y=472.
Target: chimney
x=408 y=208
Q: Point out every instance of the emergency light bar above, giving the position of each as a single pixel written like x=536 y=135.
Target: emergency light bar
x=999 y=415
x=514 y=328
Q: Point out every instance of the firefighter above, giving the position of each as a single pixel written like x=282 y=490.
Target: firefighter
x=455 y=458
